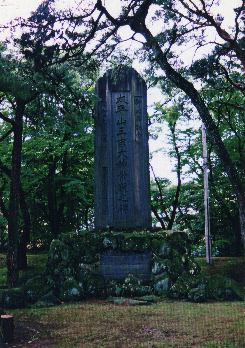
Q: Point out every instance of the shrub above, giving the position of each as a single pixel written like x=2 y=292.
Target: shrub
x=35 y=288
x=13 y=298
x=71 y=290
x=48 y=300
x=180 y=289
x=129 y=287
x=93 y=284
x=203 y=288
x=76 y=256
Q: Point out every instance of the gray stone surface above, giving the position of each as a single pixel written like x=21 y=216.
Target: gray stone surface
x=122 y=197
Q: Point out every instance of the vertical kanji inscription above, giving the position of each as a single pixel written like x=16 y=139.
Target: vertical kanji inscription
x=122 y=197
x=121 y=190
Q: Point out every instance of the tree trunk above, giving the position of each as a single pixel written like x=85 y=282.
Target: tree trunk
x=241 y=204
x=14 y=200
x=175 y=202
x=4 y=212
x=52 y=204
x=25 y=236
x=213 y=132
x=62 y=220
x=7 y=327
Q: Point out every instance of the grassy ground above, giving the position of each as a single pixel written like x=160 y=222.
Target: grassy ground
x=166 y=324
x=36 y=265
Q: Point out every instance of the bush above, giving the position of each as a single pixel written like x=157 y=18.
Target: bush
x=35 y=288
x=71 y=290
x=198 y=294
x=76 y=257
x=181 y=288
x=205 y=288
x=223 y=288
x=220 y=247
x=93 y=284
x=13 y=298
x=130 y=287
x=48 y=300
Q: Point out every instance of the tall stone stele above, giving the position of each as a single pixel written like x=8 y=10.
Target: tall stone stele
x=122 y=193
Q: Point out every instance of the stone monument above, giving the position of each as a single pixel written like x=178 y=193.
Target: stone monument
x=122 y=194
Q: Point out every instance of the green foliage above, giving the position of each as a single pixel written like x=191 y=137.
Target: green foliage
x=35 y=288
x=219 y=247
x=76 y=257
x=71 y=290
x=13 y=298
x=93 y=283
x=205 y=288
x=58 y=148
x=129 y=287
x=181 y=288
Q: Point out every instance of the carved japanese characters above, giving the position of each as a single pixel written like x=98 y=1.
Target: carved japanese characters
x=122 y=199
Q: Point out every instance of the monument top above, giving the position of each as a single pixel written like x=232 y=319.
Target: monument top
x=121 y=78
x=122 y=154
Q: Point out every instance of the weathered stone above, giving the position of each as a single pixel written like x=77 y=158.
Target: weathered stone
x=127 y=301
x=122 y=198
x=118 y=265
x=148 y=298
x=161 y=286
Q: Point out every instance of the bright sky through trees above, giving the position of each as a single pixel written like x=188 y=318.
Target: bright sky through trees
x=10 y=9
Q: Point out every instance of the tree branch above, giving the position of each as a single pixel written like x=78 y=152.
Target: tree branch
x=6 y=119
x=3 y=137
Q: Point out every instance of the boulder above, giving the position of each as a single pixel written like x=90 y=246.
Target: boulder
x=161 y=286
x=48 y=300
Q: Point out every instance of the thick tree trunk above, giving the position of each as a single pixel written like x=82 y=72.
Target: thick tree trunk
x=241 y=204
x=137 y=24
x=14 y=200
x=213 y=132
x=25 y=237
x=4 y=212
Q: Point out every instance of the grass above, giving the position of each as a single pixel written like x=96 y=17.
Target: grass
x=166 y=324
x=36 y=265
x=101 y=324
x=233 y=267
